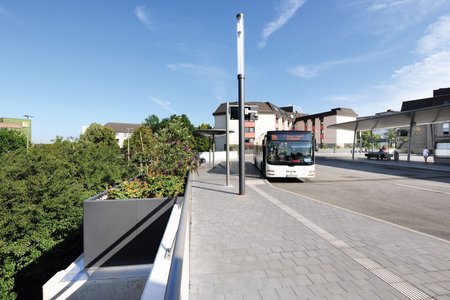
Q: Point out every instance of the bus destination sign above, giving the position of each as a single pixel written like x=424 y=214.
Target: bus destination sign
x=289 y=137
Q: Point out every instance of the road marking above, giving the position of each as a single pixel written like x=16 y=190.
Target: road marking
x=393 y=280
x=423 y=189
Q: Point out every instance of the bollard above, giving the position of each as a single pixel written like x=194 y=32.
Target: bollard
x=396 y=156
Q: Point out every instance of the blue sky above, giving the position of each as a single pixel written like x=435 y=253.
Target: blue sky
x=72 y=63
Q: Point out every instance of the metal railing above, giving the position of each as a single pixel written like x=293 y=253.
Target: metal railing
x=179 y=273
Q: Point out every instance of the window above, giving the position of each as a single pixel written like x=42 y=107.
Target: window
x=249 y=129
x=446 y=128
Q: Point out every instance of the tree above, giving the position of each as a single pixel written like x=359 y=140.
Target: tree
x=142 y=144
x=391 y=136
x=11 y=140
x=152 y=121
x=99 y=134
x=202 y=143
x=182 y=121
x=174 y=147
x=367 y=139
x=41 y=204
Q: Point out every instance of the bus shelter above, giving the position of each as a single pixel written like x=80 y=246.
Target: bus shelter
x=211 y=134
x=411 y=118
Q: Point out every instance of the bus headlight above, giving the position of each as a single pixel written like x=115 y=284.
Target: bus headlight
x=270 y=172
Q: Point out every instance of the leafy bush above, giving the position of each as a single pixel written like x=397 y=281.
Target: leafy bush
x=149 y=187
x=41 y=197
x=42 y=193
x=165 y=157
x=11 y=140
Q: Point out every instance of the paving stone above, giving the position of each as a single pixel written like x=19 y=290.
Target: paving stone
x=286 y=293
x=317 y=278
x=268 y=294
x=438 y=289
x=252 y=296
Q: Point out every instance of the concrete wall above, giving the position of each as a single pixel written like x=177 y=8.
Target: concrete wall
x=114 y=230
x=219 y=156
x=104 y=283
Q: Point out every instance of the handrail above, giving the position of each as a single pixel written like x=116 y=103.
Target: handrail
x=174 y=282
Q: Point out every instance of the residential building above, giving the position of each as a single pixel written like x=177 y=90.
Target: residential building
x=122 y=130
x=21 y=125
x=270 y=117
x=327 y=137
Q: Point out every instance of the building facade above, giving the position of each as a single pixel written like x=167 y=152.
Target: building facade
x=272 y=117
x=21 y=125
x=326 y=137
x=123 y=131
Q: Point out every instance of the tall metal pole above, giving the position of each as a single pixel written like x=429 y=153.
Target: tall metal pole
x=411 y=127
x=29 y=130
x=240 y=76
x=227 y=141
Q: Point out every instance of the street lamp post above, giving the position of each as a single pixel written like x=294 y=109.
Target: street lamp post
x=240 y=76
x=128 y=140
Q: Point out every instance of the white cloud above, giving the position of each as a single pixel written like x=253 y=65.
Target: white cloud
x=143 y=16
x=437 y=37
x=389 y=5
x=345 y=98
x=4 y=13
x=430 y=72
x=417 y=80
x=288 y=8
x=420 y=79
x=166 y=105
x=389 y=17
x=307 y=71
x=312 y=71
x=408 y=7
x=195 y=69
x=209 y=76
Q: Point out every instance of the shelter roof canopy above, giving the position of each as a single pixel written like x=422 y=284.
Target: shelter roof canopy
x=429 y=115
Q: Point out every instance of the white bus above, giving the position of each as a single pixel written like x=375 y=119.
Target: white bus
x=283 y=154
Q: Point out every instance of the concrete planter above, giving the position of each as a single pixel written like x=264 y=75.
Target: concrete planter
x=123 y=232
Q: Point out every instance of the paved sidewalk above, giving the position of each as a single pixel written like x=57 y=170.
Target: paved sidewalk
x=272 y=244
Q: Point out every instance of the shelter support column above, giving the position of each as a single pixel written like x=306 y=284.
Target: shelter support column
x=354 y=140
x=411 y=127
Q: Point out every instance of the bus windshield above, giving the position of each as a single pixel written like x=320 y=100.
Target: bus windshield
x=290 y=153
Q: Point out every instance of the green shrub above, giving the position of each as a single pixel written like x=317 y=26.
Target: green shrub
x=42 y=193
x=41 y=204
x=149 y=187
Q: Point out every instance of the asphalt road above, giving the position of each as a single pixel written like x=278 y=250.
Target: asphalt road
x=414 y=198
